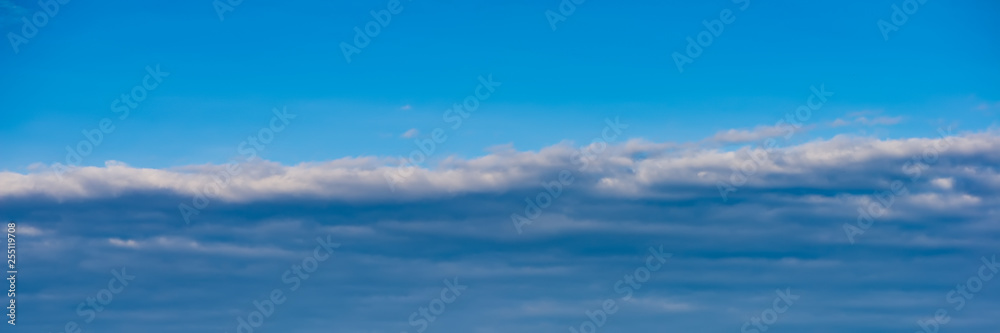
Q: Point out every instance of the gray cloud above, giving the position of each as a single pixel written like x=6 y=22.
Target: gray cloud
x=782 y=229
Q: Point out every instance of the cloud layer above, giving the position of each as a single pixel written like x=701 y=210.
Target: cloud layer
x=781 y=225
x=637 y=169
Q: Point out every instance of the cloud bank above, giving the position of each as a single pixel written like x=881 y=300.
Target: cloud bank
x=781 y=226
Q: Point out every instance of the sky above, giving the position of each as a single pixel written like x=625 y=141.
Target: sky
x=844 y=153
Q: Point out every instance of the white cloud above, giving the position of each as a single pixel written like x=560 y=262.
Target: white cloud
x=757 y=134
x=177 y=244
x=944 y=183
x=123 y=243
x=28 y=230
x=879 y=121
x=615 y=173
x=840 y=122
x=411 y=133
x=867 y=118
x=661 y=304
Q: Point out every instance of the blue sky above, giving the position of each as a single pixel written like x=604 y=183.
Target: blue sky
x=149 y=195
x=606 y=58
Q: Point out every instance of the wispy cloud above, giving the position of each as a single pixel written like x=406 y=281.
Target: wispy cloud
x=410 y=133
x=867 y=118
x=879 y=120
x=756 y=134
